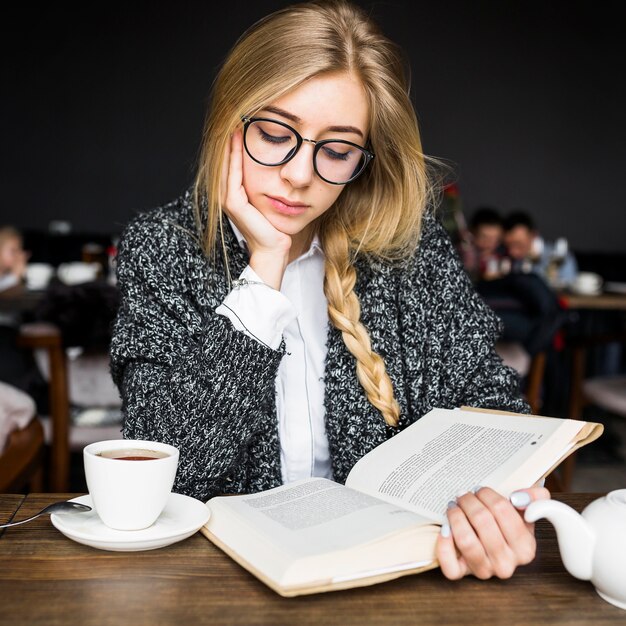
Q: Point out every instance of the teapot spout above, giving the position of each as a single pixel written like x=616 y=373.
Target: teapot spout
x=575 y=536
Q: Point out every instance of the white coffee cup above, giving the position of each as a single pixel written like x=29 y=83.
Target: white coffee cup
x=129 y=494
x=77 y=272
x=587 y=283
x=38 y=275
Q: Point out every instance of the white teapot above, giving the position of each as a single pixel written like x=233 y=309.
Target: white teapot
x=593 y=545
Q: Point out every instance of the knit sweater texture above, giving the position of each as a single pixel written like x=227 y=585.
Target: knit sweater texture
x=188 y=378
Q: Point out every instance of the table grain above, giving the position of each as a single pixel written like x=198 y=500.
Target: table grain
x=9 y=504
x=46 y=578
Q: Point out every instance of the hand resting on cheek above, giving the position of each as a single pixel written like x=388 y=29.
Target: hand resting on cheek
x=268 y=247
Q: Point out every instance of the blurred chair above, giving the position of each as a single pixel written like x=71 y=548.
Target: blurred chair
x=21 y=463
x=21 y=442
x=95 y=405
x=60 y=434
x=47 y=337
x=530 y=370
x=608 y=393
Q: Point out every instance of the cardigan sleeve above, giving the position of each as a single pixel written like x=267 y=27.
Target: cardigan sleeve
x=258 y=310
x=185 y=375
x=455 y=344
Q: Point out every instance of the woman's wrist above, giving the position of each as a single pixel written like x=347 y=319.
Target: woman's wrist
x=270 y=267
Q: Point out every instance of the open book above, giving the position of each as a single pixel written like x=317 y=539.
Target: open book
x=317 y=535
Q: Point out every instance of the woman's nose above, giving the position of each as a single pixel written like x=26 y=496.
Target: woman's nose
x=299 y=170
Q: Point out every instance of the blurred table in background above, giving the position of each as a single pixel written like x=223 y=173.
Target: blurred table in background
x=601 y=302
x=19 y=299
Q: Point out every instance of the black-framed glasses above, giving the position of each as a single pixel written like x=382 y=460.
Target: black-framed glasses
x=270 y=142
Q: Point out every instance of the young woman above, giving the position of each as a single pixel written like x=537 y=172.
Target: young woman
x=300 y=305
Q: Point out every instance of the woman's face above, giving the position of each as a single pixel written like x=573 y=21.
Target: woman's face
x=292 y=196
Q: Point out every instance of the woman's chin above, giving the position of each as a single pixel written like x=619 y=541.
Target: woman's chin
x=286 y=225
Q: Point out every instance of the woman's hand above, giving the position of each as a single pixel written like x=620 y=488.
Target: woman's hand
x=486 y=536
x=268 y=247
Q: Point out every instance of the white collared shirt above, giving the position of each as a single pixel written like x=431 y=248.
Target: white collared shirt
x=299 y=314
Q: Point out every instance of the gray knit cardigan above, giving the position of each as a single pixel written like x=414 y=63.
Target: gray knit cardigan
x=188 y=378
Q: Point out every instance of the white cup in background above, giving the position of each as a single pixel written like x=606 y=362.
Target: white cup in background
x=38 y=275
x=587 y=283
x=129 y=494
x=77 y=272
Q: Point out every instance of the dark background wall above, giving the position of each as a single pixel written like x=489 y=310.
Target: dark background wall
x=103 y=105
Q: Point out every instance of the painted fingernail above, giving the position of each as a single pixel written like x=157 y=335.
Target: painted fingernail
x=520 y=498
x=476 y=488
x=445 y=530
x=452 y=504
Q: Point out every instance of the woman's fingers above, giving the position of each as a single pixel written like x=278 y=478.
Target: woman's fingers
x=236 y=198
x=522 y=498
x=514 y=541
x=452 y=565
x=224 y=173
x=485 y=535
x=478 y=538
x=235 y=168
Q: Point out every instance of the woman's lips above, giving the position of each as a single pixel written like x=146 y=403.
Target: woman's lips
x=282 y=205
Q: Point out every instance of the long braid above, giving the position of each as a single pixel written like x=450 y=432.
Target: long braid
x=344 y=311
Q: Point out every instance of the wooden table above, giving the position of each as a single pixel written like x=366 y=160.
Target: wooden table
x=19 y=299
x=9 y=504
x=46 y=578
x=601 y=302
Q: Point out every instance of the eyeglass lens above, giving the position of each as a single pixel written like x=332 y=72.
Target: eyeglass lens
x=271 y=144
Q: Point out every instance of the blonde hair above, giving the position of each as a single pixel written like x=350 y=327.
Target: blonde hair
x=378 y=214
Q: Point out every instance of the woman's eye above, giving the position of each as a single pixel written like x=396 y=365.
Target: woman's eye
x=333 y=154
x=273 y=138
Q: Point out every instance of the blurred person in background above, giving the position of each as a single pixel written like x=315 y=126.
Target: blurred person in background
x=17 y=366
x=486 y=227
x=529 y=252
x=13 y=257
x=521 y=298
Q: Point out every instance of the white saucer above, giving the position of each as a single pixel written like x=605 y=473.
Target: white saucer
x=181 y=518
x=615 y=287
x=587 y=291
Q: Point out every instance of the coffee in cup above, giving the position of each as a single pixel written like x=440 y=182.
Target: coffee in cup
x=129 y=481
x=133 y=454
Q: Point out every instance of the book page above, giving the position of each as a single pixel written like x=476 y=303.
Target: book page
x=316 y=529
x=447 y=452
x=316 y=516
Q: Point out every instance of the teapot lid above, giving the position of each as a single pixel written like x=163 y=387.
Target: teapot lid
x=617 y=498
